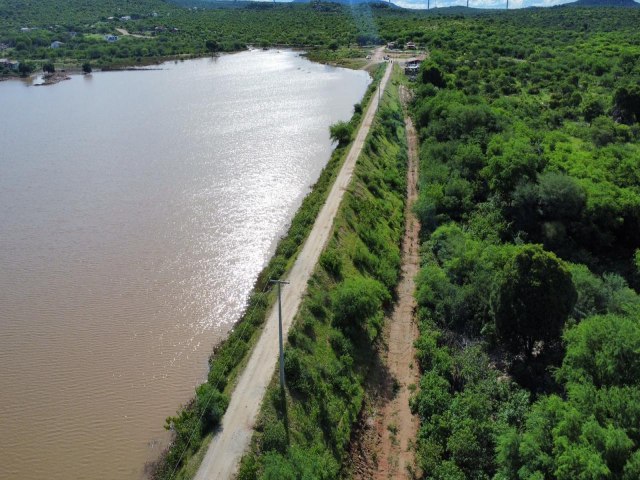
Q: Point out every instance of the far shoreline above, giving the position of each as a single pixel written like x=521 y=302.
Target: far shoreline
x=76 y=70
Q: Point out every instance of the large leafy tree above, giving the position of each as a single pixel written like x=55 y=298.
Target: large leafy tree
x=627 y=104
x=532 y=298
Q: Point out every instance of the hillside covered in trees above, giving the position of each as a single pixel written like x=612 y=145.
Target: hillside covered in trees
x=155 y=30
x=530 y=205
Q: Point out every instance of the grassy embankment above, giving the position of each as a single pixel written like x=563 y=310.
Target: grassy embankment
x=195 y=421
x=304 y=431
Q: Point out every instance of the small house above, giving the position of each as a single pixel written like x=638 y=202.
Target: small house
x=391 y=45
x=25 y=29
x=411 y=67
x=111 y=38
x=10 y=64
x=56 y=44
x=126 y=18
x=410 y=46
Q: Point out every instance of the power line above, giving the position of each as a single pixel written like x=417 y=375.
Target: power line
x=193 y=431
x=280 y=283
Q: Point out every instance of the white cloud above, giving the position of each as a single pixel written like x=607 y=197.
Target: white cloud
x=497 y=4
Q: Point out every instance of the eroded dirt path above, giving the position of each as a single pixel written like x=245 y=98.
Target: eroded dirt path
x=125 y=33
x=385 y=448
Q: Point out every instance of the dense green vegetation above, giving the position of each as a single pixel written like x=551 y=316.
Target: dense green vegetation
x=185 y=28
x=304 y=431
x=193 y=423
x=530 y=205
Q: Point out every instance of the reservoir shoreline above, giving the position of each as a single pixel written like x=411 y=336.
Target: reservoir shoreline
x=95 y=283
x=186 y=454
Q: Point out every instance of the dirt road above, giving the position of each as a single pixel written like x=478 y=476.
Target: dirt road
x=382 y=448
x=398 y=426
x=125 y=33
x=227 y=447
x=377 y=57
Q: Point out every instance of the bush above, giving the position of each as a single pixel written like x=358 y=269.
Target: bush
x=331 y=261
x=357 y=304
x=341 y=132
x=211 y=405
x=274 y=437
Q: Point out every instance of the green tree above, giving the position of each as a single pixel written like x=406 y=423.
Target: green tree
x=603 y=351
x=212 y=46
x=341 y=132
x=86 y=67
x=49 y=67
x=432 y=74
x=626 y=104
x=593 y=108
x=210 y=404
x=561 y=197
x=532 y=298
x=25 y=69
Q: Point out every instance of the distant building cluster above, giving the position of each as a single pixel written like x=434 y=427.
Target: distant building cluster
x=407 y=46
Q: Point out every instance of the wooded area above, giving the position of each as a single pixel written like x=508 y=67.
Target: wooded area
x=530 y=202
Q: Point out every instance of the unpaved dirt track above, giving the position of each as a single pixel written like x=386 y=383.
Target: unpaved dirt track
x=229 y=444
x=382 y=447
x=376 y=58
x=398 y=426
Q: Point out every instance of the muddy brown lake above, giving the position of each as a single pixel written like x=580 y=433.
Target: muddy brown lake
x=136 y=210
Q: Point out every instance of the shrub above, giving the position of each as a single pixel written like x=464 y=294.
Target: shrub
x=357 y=304
x=341 y=132
x=274 y=437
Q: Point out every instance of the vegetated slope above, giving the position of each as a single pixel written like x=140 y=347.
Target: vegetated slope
x=530 y=203
x=305 y=432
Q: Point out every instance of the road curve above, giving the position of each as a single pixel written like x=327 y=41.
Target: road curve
x=229 y=444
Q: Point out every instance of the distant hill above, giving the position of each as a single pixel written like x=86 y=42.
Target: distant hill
x=603 y=3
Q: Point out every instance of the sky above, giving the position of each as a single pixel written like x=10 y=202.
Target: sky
x=479 y=3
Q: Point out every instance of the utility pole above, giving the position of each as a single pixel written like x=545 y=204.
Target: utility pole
x=280 y=283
